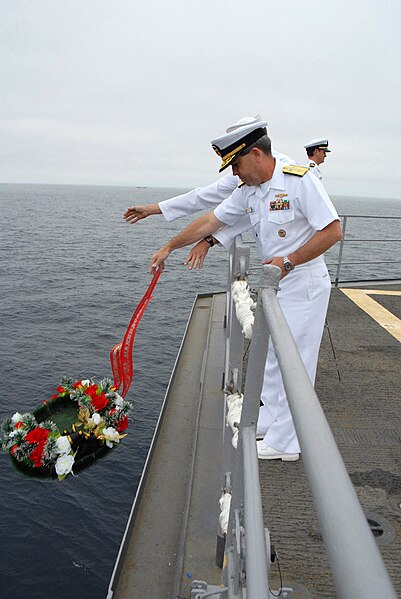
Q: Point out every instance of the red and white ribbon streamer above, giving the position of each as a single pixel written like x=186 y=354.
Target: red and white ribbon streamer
x=121 y=354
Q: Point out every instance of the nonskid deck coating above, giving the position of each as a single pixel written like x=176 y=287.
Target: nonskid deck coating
x=358 y=384
x=188 y=440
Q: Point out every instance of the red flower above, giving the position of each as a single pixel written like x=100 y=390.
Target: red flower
x=60 y=389
x=38 y=435
x=92 y=390
x=19 y=424
x=122 y=424
x=99 y=402
x=77 y=384
x=54 y=396
x=44 y=402
x=36 y=455
x=13 y=449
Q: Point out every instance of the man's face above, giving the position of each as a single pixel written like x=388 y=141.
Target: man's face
x=319 y=156
x=246 y=168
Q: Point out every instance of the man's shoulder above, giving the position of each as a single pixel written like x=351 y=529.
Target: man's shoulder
x=229 y=181
x=295 y=169
x=283 y=158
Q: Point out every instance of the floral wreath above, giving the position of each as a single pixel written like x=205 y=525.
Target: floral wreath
x=92 y=416
x=100 y=417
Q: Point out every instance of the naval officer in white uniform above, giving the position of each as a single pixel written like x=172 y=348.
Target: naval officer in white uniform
x=294 y=222
x=316 y=150
x=203 y=198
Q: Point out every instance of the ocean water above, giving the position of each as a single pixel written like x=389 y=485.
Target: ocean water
x=72 y=272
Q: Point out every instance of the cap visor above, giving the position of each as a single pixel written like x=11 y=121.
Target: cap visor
x=229 y=160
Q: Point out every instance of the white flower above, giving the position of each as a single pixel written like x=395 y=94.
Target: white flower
x=12 y=434
x=63 y=445
x=119 y=401
x=16 y=418
x=86 y=383
x=95 y=420
x=64 y=464
x=110 y=434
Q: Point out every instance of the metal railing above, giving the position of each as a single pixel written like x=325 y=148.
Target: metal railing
x=354 y=252
x=346 y=240
x=357 y=567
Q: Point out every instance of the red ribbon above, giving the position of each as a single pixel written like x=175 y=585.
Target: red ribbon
x=121 y=354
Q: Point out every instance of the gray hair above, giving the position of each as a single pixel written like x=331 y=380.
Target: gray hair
x=263 y=143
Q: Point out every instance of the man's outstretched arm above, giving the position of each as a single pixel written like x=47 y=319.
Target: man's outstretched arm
x=201 y=198
x=198 y=229
x=132 y=215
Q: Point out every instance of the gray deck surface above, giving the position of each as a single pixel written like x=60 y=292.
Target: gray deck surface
x=184 y=468
x=359 y=387
x=358 y=384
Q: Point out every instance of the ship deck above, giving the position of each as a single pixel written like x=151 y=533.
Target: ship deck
x=170 y=538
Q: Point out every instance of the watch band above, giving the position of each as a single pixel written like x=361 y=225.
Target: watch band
x=288 y=265
x=210 y=240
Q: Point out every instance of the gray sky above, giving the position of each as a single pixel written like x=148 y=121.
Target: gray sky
x=130 y=92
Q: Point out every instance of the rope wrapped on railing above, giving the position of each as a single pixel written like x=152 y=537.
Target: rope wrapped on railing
x=244 y=305
x=224 y=503
x=233 y=418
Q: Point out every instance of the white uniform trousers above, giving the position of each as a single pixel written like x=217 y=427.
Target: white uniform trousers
x=304 y=297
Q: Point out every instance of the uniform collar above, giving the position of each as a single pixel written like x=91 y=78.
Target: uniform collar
x=276 y=182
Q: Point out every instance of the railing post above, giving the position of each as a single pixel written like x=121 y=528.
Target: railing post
x=235 y=338
x=340 y=252
x=239 y=265
x=256 y=555
x=246 y=504
x=258 y=351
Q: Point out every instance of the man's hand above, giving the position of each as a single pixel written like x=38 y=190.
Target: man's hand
x=197 y=255
x=319 y=243
x=158 y=259
x=132 y=215
x=278 y=261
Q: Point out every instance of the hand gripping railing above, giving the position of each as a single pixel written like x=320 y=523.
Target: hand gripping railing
x=357 y=566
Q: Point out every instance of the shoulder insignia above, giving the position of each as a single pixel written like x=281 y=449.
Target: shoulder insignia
x=294 y=169
x=241 y=184
x=312 y=165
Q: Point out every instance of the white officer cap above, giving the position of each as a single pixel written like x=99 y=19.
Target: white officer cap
x=230 y=145
x=246 y=120
x=320 y=144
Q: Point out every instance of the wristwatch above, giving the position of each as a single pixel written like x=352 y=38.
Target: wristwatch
x=210 y=240
x=288 y=265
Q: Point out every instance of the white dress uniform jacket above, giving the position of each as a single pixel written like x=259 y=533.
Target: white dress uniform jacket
x=285 y=212
x=314 y=169
x=207 y=198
